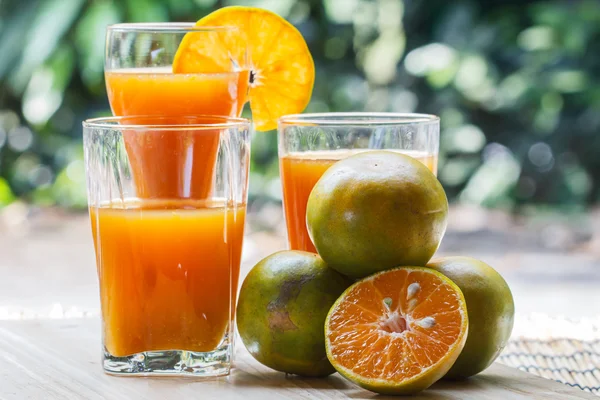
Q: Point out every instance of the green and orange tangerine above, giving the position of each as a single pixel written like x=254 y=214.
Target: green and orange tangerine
x=491 y=312
x=398 y=331
x=282 y=308
x=375 y=211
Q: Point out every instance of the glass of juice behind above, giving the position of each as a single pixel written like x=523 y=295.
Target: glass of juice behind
x=168 y=266
x=311 y=143
x=140 y=80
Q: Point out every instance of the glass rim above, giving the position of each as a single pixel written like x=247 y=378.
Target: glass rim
x=115 y=122
x=357 y=118
x=166 y=27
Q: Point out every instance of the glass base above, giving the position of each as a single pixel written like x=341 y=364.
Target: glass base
x=171 y=363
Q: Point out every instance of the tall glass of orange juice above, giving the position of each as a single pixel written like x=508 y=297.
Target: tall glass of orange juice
x=311 y=143
x=140 y=81
x=168 y=265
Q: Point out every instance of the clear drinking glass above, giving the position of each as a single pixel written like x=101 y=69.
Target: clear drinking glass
x=311 y=143
x=168 y=262
x=142 y=79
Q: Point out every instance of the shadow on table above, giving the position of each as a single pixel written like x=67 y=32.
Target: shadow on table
x=280 y=380
x=446 y=390
x=450 y=390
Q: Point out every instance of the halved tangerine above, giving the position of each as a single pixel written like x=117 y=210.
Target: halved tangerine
x=281 y=71
x=398 y=331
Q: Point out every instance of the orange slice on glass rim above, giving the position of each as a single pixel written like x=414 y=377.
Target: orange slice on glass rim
x=398 y=331
x=281 y=71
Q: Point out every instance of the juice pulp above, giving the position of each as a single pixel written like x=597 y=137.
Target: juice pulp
x=159 y=159
x=299 y=174
x=168 y=273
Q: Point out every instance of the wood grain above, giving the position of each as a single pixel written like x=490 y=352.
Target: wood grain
x=60 y=359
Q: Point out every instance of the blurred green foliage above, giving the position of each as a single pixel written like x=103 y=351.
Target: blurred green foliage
x=516 y=83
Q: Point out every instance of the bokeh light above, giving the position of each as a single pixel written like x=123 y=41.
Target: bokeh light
x=517 y=96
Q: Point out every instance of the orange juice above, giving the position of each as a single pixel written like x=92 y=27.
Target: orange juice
x=299 y=174
x=159 y=159
x=168 y=273
x=158 y=91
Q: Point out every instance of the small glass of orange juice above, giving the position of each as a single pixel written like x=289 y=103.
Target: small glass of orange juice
x=138 y=68
x=168 y=258
x=311 y=143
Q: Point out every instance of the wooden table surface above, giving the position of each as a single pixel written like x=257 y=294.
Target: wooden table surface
x=47 y=271
x=60 y=359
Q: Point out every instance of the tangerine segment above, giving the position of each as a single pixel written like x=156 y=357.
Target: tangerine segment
x=281 y=68
x=397 y=331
